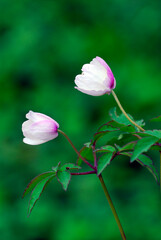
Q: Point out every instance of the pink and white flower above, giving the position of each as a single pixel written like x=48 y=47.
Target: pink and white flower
x=96 y=79
x=39 y=128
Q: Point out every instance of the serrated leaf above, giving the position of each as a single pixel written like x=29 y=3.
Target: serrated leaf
x=156 y=119
x=87 y=153
x=123 y=120
x=109 y=135
x=128 y=147
x=143 y=145
x=106 y=148
x=71 y=166
x=36 y=180
x=109 y=126
x=119 y=118
x=55 y=169
x=155 y=133
x=148 y=163
x=103 y=161
x=37 y=191
x=64 y=178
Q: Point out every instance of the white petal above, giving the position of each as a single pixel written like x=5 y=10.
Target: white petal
x=41 y=130
x=33 y=142
x=89 y=82
x=93 y=92
x=34 y=116
x=97 y=71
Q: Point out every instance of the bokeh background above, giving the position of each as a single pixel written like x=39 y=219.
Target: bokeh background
x=43 y=45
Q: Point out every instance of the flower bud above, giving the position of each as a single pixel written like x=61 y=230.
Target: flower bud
x=96 y=79
x=39 y=128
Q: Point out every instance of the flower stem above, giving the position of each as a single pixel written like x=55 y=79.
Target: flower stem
x=123 y=111
x=84 y=160
x=112 y=207
x=160 y=170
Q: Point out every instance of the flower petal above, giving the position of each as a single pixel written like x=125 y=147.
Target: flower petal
x=33 y=142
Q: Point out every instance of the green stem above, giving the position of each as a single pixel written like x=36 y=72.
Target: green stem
x=112 y=207
x=84 y=160
x=123 y=111
x=160 y=170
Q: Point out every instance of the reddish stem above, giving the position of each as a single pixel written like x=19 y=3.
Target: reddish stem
x=84 y=173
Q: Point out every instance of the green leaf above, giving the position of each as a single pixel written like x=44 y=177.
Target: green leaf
x=147 y=133
x=103 y=161
x=36 y=180
x=55 y=169
x=37 y=191
x=143 y=145
x=156 y=119
x=70 y=166
x=109 y=126
x=121 y=119
x=104 y=149
x=156 y=147
x=148 y=163
x=155 y=133
x=109 y=135
x=128 y=147
x=87 y=153
x=64 y=178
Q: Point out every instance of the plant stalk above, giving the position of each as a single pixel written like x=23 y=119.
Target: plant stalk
x=123 y=111
x=112 y=207
x=84 y=160
x=84 y=173
x=160 y=170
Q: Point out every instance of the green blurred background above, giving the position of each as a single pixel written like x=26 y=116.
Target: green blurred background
x=43 y=45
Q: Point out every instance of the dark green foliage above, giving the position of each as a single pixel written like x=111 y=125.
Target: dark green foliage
x=86 y=152
x=37 y=191
x=103 y=161
x=64 y=178
x=143 y=145
x=36 y=180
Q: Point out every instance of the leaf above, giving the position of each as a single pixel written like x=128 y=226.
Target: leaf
x=109 y=135
x=155 y=147
x=148 y=163
x=36 y=180
x=67 y=166
x=55 y=169
x=87 y=153
x=156 y=119
x=143 y=145
x=109 y=126
x=64 y=178
x=103 y=161
x=128 y=147
x=121 y=119
x=155 y=133
x=104 y=149
x=36 y=193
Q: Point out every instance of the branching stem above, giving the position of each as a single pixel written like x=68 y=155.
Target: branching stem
x=79 y=155
x=84 y=173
